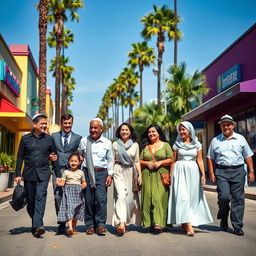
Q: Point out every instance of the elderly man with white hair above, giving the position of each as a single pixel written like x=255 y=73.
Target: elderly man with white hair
x=97 y=164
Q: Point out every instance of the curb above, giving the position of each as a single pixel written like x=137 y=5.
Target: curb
x=247 y=194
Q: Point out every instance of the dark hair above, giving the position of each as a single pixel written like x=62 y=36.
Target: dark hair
x=38 y=118
x=133 y=135
x=66 y=117
x=75 y=153
x=144 y=137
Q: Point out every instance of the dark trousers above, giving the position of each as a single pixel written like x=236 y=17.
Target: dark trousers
x=58 y=193
x=96 y=200
x=36 y=192
x=230 y=187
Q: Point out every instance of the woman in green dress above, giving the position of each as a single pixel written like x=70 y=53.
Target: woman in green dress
x=154 y=193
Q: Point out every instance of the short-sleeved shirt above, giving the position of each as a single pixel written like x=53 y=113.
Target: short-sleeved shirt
x=102 y=154
x=230 y=151
x=73 y=178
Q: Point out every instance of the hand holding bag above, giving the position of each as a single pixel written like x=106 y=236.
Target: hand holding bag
x=165 y=177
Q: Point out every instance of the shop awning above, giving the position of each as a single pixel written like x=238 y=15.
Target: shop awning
x=238 y=97
x=14 y=118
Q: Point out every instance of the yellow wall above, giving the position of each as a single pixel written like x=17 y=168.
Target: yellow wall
x=23 y=64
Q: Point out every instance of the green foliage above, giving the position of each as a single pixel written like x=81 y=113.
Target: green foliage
x=183 y=90
x=160 y=21
x=150 y=114
x=7 y=162
x=60 y=7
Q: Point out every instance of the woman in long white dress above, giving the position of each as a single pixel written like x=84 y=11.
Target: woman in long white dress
x=187 y=202
x=126 y=202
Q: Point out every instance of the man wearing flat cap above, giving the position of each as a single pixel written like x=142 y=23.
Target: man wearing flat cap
x=34 y=149
x=229 y=151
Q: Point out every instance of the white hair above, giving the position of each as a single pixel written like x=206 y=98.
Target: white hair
x=97 y=119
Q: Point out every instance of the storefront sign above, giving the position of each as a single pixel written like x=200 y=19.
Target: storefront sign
x=229 y=78
x=10 y=80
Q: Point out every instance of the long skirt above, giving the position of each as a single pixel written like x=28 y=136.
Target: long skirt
x=187 y=202
x=154 y=198
x=72 y=203
x=126 y=202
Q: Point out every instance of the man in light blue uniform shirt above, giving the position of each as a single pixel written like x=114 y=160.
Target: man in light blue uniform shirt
x=98 y=163
x=229 y=151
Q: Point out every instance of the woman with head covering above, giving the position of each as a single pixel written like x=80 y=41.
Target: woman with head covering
x=127 y=163
x=187 y=202
x=156 y=158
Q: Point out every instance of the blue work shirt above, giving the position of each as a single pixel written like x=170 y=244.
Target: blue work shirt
x=230 y=151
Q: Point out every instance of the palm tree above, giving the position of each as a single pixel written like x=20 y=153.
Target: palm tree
x=130 y=79
x=150 y=114
x=57 y=15
x=68 y=81
x=68 y=37
x=42 y=24
x=157 y=23
x=183 y=91
x=141 y=55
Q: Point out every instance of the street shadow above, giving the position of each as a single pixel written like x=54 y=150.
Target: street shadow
x=21 y=230
x=112 y=230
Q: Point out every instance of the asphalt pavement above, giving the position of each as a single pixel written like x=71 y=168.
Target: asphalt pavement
x=16 y=238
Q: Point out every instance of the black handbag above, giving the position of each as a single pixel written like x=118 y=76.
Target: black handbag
x=19 y=199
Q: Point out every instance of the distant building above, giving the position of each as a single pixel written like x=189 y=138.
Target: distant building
x=231 y=78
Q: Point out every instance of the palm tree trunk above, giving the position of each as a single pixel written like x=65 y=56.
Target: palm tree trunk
x=113 y=121
x=42 y=24
x=57 y=81
x=64 y=96
x=159 y=62
x=141 y=96
x=175 y=34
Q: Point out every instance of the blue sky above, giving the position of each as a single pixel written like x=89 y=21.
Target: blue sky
x=106 y=30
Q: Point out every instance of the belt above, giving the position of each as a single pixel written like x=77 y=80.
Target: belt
x=117 y=162
x=99 y=169
x=219 y=166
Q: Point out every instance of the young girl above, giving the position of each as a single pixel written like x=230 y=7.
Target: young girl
x=72 y=203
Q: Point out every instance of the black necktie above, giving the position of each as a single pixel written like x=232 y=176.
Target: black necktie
x=65 y=142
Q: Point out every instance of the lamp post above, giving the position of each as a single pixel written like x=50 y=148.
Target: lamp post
x=157 y=72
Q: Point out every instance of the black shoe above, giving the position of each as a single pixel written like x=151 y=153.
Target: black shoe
x=223 y=225
x=39 y=231
x=61 y=229
x=33 y=230
x=238 y=232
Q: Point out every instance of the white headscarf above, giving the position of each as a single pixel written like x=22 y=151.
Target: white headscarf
x=179 y=142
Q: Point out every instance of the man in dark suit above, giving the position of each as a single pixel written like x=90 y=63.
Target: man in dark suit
x=66 y=143
x=34 y=150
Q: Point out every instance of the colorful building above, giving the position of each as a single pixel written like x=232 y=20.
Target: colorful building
x=231 y=78
x=13 y=119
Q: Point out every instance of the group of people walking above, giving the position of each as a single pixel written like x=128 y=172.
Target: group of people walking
x=170 y=180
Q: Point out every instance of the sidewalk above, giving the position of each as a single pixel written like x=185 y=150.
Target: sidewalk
x=6 y=196
x=250 y=191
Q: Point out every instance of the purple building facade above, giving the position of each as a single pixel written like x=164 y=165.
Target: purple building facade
x=231 y=78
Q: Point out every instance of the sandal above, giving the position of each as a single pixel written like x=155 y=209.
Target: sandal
x=70 y=232
x=184 y=227
x=158 y=228
x=120 y=230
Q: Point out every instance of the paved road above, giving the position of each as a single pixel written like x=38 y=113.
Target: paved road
x=16 y=239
